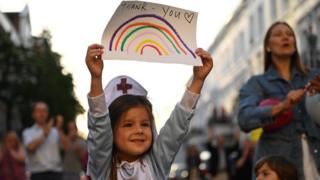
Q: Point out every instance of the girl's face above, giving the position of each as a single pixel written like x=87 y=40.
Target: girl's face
x=133 y=134
x=281 y=42
x=265 y=173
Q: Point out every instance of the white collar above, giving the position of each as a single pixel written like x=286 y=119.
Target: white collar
x=138 y=169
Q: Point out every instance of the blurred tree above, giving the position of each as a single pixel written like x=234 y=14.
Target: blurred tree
x=12 y=68
x=34 y=74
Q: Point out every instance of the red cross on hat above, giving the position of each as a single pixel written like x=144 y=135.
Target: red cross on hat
x=123 y=86
x=120 y=86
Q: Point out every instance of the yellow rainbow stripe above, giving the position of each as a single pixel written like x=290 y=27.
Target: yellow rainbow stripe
x=150 y=41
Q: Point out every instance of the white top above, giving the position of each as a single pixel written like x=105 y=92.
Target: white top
x=138 y=169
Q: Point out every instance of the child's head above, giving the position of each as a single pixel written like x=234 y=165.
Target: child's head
x=131 y=119
x=275 y=168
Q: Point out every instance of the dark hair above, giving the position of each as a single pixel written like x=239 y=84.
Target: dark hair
x=295 y=58
x=116 y=109
x=283 y=167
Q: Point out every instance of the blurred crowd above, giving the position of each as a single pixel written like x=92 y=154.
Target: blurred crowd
x=223 y=156
x=45 y=150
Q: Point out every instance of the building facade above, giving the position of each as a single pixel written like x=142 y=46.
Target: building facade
x=17 y=24
x=237 y=50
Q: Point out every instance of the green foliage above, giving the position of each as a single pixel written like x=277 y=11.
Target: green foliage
x=35 y=74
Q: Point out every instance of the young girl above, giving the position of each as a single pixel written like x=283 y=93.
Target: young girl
x=275 y=168
x=123 y=142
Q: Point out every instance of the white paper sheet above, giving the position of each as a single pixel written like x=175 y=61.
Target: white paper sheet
x=150 y=32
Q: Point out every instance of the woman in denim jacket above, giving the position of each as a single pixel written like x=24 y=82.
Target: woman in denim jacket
x=286 y=80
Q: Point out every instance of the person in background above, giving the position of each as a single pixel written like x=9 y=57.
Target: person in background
x=242 y=157
x=285 y=80
x=43 y=144
x=12 y=158
x=193 y=162
x=219 y=164
x=275 y=168
x=73 y=155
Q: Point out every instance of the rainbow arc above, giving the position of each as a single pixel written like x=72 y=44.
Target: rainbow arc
x=166 y=41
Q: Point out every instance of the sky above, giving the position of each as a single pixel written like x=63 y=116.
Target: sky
x=76 y=24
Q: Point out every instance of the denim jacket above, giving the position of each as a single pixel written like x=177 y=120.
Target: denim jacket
x=287 y=140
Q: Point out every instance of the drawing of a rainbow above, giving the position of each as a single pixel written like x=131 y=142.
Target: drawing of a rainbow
x=158 y=35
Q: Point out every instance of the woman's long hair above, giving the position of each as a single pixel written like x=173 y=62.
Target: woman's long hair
x=116 y=109
x=295 y=58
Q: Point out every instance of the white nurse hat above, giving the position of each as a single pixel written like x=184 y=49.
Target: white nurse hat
x=123 y=85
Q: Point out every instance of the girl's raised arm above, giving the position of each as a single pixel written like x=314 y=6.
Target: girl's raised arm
x=95 y=65
x=201 y=72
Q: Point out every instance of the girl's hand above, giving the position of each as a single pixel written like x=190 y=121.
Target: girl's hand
x=94 y=61
x=201 y=72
